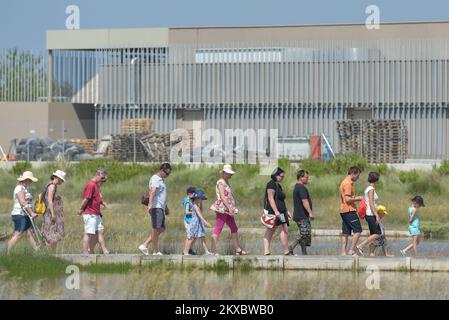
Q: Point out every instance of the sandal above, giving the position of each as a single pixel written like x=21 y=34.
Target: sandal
x=360 y=250
x=267 y=254
x=241 y=252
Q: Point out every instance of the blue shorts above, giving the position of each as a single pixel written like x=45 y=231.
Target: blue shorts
x=21 y=223
x=350 y=222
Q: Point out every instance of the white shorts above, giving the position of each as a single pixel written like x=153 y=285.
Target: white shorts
x=92 y=223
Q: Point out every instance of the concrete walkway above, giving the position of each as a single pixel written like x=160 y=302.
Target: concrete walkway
x=326 y=232
x=405 y=264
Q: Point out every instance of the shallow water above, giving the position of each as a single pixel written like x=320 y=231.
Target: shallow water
x=192 y=285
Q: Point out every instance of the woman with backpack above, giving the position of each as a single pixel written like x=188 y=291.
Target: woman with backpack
x=53 y=224
x=274 y=203
x=371 y=215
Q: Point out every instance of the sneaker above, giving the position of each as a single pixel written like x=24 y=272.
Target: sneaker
x=158 y=253
x=216 y=254
x=209 y=254
x=191 y=252
x=143 y=249
x=402 y=253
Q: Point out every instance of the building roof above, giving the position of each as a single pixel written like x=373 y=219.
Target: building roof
x=86 y=39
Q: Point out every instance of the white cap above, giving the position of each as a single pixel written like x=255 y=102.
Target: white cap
x=228 y=169
x=59 y=174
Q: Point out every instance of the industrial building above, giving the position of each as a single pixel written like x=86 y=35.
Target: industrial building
x=297 y=79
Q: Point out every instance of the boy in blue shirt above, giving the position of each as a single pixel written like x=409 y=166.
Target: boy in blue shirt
x=187 y=206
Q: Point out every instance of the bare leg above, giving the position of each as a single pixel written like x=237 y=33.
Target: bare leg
x=187 y=246
x=267 y=239
x=371 y=238
x=408 y=248
x=344 y=243
x=13 y=241
x=354 y=241
x=53 y=246
x=88 y=243
x=235 y=241
x=416 y=241
x=147 y=242
x=93 y=239
x=102 y=242
x=284 y=238
x=213 y=245
x=31 y=237
x=203 y=242
x=155 y=239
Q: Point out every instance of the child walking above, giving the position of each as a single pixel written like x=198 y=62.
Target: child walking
x=196 y=225
x=413 y=225
x=381 y=242
x=187 y=206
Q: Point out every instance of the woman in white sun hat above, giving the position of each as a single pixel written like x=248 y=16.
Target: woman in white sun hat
x=53 y=225
x=225 y=211
x=22 y=212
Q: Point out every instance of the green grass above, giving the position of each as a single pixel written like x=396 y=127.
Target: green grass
x=29 y=265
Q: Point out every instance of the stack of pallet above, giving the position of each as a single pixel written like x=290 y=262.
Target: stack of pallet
x=89 y=145
x=137 y=125
x=157 y=146
x=377 y=140
x=350 y=136
x=122 y=148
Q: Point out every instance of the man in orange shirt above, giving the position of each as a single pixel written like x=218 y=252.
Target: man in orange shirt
x=348 y=211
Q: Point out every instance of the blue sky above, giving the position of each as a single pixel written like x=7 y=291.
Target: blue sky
x=24 y=22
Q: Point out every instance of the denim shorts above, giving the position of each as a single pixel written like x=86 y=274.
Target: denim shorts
x=157 y=218
x=21 y=223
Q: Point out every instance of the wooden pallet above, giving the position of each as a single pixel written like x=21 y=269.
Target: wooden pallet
x=137 y=125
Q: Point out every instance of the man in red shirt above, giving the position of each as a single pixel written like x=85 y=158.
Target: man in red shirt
x=90 y=209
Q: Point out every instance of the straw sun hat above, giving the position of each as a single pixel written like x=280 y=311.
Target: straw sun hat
x=27 y=175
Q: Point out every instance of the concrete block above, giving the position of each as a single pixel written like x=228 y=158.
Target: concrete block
x=173 y=258
x=259 y=262
x=202 y=261
x=429 y=264
x=133 y=259
x=79 y=259
x=319 y=263
x=384 y=263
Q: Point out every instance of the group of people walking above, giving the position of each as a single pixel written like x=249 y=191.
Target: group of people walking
x=276 y=214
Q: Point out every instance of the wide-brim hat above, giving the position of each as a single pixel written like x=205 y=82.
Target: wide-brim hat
x=228 y=169
x=59 y=174
x=27 y=175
